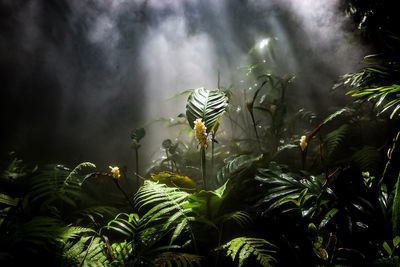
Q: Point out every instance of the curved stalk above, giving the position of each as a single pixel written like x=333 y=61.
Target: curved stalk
x=203 y=166
x=123 y=192
x=255 y=128
x=212 y=151
x=137 y=166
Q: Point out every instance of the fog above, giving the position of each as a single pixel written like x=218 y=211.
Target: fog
x=78 y=76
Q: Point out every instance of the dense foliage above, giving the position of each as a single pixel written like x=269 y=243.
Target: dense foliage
x=261 y=182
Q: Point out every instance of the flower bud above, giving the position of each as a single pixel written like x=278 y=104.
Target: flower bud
x=200 y=133
x=115 y=172
x=303 y=143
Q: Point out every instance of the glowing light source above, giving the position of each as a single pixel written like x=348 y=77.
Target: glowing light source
x=264 y=42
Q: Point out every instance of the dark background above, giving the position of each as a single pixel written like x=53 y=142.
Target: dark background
x=71 y=93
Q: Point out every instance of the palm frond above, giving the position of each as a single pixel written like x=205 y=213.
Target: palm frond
x=236 y=167
x=242 y=248
x=336 y=114
x=282 y=188
x=377 y=81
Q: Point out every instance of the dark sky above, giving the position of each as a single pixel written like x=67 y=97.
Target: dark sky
x=77 y=76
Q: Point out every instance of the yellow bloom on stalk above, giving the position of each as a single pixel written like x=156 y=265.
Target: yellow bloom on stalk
x=303 y=143
x=115 y=172
x=200 y=133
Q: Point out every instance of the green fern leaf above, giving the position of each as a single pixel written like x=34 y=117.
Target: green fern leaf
x=126 y=224
x=334 y=139
x=368 y=158
x=87 y=251
x=242 y=248
x=181 y=259
x=167 y=203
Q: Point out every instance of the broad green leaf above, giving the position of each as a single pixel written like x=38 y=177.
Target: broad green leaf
x=174 y=180
x=208 y=105
x=396 y=241
x=329 y=215
x=387 y=248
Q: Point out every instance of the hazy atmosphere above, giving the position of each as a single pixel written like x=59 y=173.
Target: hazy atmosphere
x=78 y=76
x=215 y=133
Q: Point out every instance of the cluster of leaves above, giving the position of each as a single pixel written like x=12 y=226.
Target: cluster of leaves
x=277 y=186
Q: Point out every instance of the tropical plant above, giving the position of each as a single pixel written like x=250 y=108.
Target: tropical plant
x=283 y=189
x=242 y=248
x=167 y=203
x=204 y=109
x=136 y=135
x=135 y=240
x=378 y=80
x=179 y=258
x=87 y=251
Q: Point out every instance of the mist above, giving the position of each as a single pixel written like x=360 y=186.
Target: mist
x=78 y=76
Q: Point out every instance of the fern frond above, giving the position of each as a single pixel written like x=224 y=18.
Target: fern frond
x=165 y=202
x=126 y=224
x=58 y=183
x=72 y=250
x=181 y=259
x=368 y=158
x=240 y=217
x=71 y=232
x=96 y=212
x=87 y=251
x=96 y=254
x=42 y=232
x=242 y=248
x=334 y=139
x=122 y=252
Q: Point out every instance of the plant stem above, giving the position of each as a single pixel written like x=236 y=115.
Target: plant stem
x=219 y=244
x=125 y=195
x=87 y=251
x=212 y=151
x=137 y=167
x=255 y=129
x=203 y=166
x=389 y=156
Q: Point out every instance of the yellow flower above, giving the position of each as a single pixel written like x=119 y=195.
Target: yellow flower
x=115 y=172
x=303 y=143
x=272 y=108
x=200 y=133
